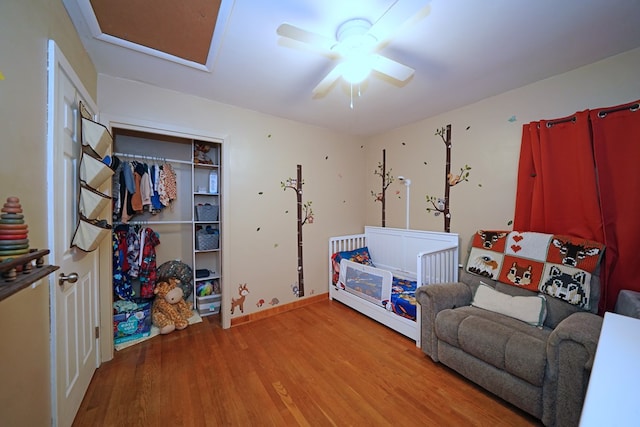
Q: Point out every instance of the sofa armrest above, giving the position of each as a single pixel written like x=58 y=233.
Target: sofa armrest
x=433 y=299
x=571 y=350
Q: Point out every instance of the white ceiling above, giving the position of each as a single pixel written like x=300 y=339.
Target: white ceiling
x=463 y=51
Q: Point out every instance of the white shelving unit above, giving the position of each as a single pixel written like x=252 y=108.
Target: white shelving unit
x=207 y=261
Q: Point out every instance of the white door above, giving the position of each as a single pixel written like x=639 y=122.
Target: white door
x=74 y=305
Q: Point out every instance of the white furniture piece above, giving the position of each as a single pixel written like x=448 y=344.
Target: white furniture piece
x=206 y=249
x=612 y=394
x=424 y=256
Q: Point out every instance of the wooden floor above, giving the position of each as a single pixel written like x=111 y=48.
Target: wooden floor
x=319 y=365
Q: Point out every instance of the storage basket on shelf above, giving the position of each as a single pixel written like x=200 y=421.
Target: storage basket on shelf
x=207 y=239
x=207 y=212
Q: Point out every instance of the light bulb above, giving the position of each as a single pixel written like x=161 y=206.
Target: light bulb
x=357 y=68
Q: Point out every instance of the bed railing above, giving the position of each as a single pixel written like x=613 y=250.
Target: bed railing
x=346 y=243
x=438 y=266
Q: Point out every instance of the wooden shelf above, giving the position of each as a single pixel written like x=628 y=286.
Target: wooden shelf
x=13 y=281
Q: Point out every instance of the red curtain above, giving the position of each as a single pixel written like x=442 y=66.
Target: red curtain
x=557 y=187
x=574 y=177
x=616 y=143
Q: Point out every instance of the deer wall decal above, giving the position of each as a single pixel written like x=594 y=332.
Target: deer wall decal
x=239 y=302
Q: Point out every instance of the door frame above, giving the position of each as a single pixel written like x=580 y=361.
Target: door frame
x=112 y=121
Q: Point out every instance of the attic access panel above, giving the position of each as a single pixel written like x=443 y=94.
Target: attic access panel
x=180 y=28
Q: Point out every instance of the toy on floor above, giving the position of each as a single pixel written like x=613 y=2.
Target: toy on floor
x=170 y=311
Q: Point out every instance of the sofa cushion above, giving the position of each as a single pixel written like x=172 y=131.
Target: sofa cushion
x=557 y=310
x=504 y=342
x=530 y=309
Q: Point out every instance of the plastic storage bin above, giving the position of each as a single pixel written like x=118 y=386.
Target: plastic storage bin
x=209 y=304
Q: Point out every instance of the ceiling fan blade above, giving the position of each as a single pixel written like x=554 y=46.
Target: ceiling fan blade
x=295 y=33
x=401 y=13
x=325 y=84
x=391 y=68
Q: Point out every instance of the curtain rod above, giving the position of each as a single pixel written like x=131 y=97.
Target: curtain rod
x=565 y=120
x=633 y=107
x=602 y=114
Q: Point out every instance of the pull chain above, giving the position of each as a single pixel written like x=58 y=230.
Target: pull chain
x=351 y=91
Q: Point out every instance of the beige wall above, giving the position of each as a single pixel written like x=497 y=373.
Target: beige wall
x=25 y=27
x=484 y=138
x=259 y=240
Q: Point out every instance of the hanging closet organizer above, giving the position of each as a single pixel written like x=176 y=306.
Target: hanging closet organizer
x=94 y=170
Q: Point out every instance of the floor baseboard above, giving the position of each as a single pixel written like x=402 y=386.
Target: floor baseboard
x=240 y=320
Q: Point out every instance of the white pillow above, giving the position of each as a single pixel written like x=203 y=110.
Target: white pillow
x=531 y=309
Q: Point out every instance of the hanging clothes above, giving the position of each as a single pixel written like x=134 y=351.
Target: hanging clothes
x=134 y=258
x=122 y=288
x=139 y=187
x=156 y=206
x=133 y=251
x=136 y=197
x=115 y=192
x=168 y=186
x=145 y=188
x=147 y=261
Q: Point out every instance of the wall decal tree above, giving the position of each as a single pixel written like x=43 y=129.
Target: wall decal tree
x=387 y=179
x=305 y=215
x=441 y=205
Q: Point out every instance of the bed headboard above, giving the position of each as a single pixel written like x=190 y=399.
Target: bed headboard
x=397 y=249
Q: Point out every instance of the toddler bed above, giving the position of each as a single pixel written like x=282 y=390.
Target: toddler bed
x=377 y=273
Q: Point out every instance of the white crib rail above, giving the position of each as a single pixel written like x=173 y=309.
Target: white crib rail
x=346 y=243
x=438 y=266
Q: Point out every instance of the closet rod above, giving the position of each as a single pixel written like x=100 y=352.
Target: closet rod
x=143 y=157
x=150 y=222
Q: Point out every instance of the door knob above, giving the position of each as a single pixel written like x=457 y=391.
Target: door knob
x=72 y=278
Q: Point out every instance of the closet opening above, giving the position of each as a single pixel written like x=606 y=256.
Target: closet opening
x=166 y=213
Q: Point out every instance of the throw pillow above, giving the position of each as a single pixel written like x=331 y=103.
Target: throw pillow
x=360 y=255
x=531 y=309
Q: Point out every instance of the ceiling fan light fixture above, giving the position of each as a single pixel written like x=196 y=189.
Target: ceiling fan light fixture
x=357 y=68
x=352 y=27
x=355 y=45
x=354 y=39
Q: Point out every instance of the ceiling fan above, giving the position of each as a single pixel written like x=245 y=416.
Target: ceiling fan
x=357 y=44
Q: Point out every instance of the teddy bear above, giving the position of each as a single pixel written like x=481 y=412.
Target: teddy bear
x=200 y=154
x=170 y=311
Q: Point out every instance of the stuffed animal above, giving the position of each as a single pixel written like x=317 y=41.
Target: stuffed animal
x=170 y=311
x=200 y=154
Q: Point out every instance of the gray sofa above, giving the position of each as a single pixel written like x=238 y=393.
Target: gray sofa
x=541 y=370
